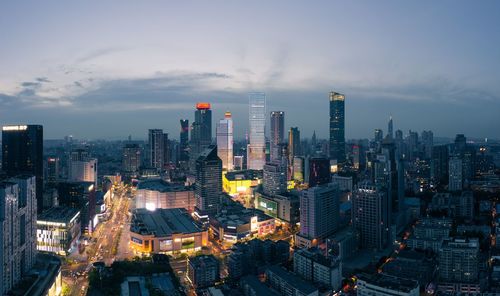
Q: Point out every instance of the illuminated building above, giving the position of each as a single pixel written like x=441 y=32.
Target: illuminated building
x=236 y=222
x=22 y=153
x=52 y=170
x=83 y=170
x=241 y=182
x=225 y=141
x=81 y=196
x=370 y=216
x=319 y=214
x=155 y=194
x=203 y=271
x=284 y=206
x=58 y=230
x=274 y=180
x=293 y=142
x=208 y=186
x=319 y=171
x=131 y=159
x=184 y=140
x=277 y=134
x=156 y=146
x=201 y=132
x=298 y=169
x=238 y=162
x=256 y=154
x=165 y=231
x=17 y=230
x=337 y=127
x=459 y=261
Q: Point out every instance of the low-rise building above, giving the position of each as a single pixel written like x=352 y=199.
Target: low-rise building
x=235 y=222
x=203 y=271
x=412 y=265
x=284 y=206
x=429 y=234
x=383 y=285
x=251 y=286
x=155 y=194
x=240 y=182
x=313 y=266
x=58 y=230
x=287 y=283
x=165 y=231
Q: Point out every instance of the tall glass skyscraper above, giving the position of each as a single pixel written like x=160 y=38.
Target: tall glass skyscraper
x=337 y=127
x=225 y=141
x=208 y=186
x=22 y=153
x=156 y=146
x=201 y=133
x=256 y=152
x=277 y=134
x=184 y=140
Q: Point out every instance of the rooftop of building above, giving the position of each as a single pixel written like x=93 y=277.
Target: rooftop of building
x=163 y=222
x=244 y=175
x=160 y=185
x=258 y=286
x=317 y=256
x=235 y=214
x=389 y=282
x=60 y=214
x=203 y=260
x=461 y=243
x=292 y=279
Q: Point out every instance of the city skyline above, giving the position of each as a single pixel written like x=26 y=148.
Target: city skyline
x=433 y=64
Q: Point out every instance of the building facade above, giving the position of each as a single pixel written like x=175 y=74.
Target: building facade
x=225 y=141
x=277 y=134
x=208 y=186
x=337 y=127
x=256 y=151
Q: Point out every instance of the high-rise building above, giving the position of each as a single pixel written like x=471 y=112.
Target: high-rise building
x=256 y=151
x=294 y=142
x=319 y=211
x=455 y=178
x=201 y=132
x=52 y=170
x=378 y=135
x=277 y=134
x=337 y=127
x=313 y=266
x=275 y=178
x=203 y=271
x=156 y=146
x=82 y=167
x=370 y=216
x=298 y=169
x=439 y=164
x=427 y=143
x=18 y=206
x=166 y=150
x=318 y=171
x=225 y=141
x=184 y=140
x=22 y=153
x=208 y=186
x=390 y=128
x=459 y=260
x=131 y=158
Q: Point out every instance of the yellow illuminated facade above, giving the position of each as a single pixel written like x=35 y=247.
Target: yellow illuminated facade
x=240 y=183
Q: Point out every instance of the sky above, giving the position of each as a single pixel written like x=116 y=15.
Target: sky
x=110 y=69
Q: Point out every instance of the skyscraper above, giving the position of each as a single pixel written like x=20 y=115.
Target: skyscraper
x=455 y=178
x=337 y=127
x=201 y=132
x=256 y=153
x=184 y=140
x=294 y=142
x=156 y=148
x=277 y=134
x=208 y=186
x=17 y=230
x=319 y=211
x=131 y=159
x=225 y=141
x=274 y=178
x=22 y=153
x=427 y=143
x=318 y=171
x=370 y=216
x=390 y=128
x=166 y=150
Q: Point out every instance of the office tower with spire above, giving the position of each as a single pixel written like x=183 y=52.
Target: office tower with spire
x=337 y=127
x=208 y=186
x=201 y=132
x=277 y=134
x=256 y=151
x=156 y=146
x=184 y=141
x=225 y=141
x=22 y=153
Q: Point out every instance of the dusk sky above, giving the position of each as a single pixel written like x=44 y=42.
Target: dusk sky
x=107 y=69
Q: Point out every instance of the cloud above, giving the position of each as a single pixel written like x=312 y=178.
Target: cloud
x=43 y=79
x=99 y=53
